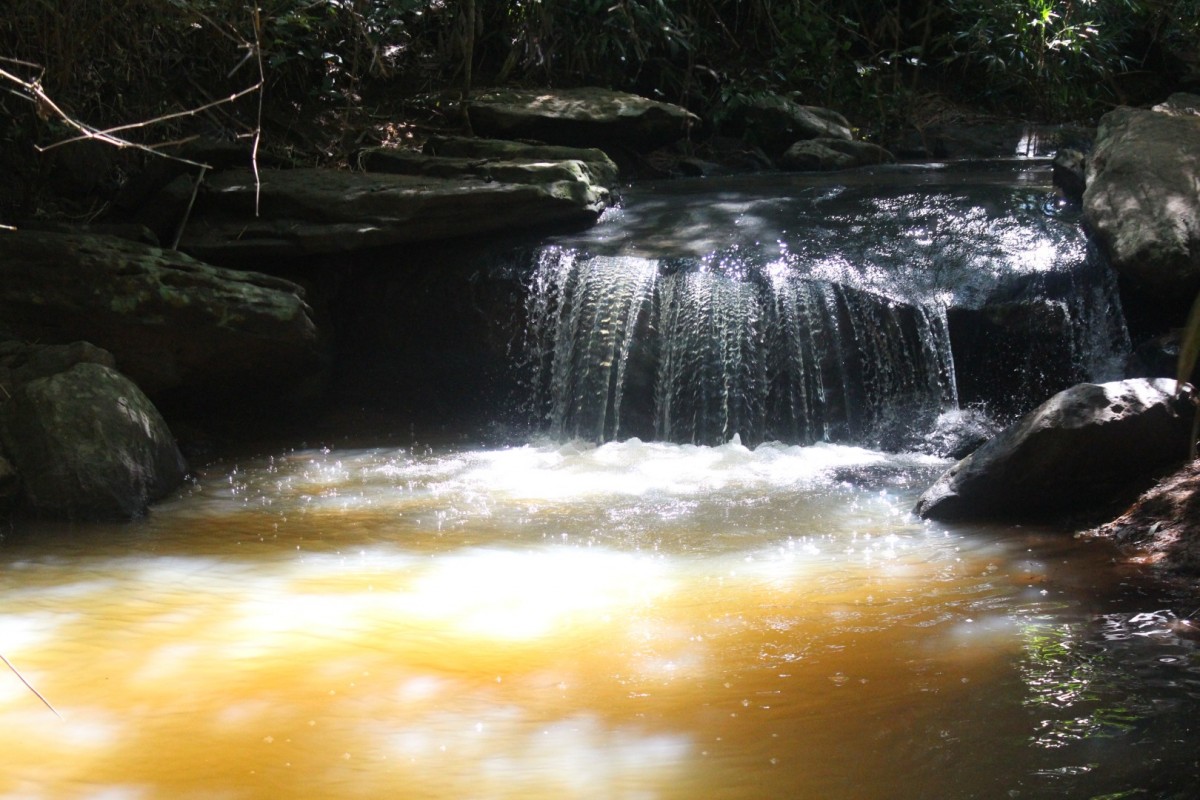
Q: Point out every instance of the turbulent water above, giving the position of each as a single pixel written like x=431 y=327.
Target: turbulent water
x=643 y=620
x=635 y=620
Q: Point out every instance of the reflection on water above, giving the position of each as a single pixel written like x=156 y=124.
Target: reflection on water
x=628 y=621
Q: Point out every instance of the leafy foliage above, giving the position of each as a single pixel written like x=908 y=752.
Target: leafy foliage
x=113 y=60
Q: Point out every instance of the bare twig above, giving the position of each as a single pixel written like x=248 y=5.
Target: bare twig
x=29 y=686
x=262 y=79
x=47 y=108
x=94 y=133
x=187 y=212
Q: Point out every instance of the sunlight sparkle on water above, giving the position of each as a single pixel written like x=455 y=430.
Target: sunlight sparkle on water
x=550 y=621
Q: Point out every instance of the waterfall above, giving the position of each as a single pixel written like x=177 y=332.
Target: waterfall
x=585 y=315
x=702 y=352
x=806 y=310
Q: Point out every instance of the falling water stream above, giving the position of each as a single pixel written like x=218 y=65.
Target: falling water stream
x=593 y=615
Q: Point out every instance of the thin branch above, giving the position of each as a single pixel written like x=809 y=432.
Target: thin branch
x=29 y=685
x=262 y=80
x=145 y=123
x=187 y=212
x=47 y=108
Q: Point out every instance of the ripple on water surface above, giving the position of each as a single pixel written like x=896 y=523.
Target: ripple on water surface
x=631 y=620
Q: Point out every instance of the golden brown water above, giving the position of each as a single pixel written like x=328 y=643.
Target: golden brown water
x=633 y=621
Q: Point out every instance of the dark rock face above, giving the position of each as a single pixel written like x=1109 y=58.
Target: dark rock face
x=21 y=363
x=171 y=322
x=991 y=140
x=589 y=117
x=1074 y=450
x=1070 y=173
x=955 y=434
x=775 y=123
x=1143 y=196
x=305 y=212
x=10 y=483
x=88 y=444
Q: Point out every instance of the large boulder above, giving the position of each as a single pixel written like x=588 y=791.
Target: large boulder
x=88 y=444
x=284 y=214
x=584 y=117
x=172 y=323
x=1073 y=451
x=1143 y=196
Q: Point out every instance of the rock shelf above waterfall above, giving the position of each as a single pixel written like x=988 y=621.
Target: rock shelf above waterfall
x=239 y=218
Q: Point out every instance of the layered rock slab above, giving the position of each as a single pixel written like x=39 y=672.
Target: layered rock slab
x=587 y=116
x=170 y=321
x=243 y=220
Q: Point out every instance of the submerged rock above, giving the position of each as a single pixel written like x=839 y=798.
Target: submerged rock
x=1075 y=450
x=588 y=117
x=1069 y=173
x=88 y=444
x=1142 y=196
x=830 y=154
x=171 y=322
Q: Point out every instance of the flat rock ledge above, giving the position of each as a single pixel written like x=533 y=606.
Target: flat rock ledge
x=1072 y=453
x=587 y=116
x=240 y=220
x=171 y=322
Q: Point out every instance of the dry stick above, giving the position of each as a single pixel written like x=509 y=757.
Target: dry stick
x=262 y=80
x=187 y=212
x=144 y=123
x=46 y=106
x=29 y=686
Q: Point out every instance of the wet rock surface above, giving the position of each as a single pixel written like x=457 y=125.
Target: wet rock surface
x=1076 y=449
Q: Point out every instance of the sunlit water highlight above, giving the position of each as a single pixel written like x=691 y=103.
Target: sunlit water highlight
x=567 y=621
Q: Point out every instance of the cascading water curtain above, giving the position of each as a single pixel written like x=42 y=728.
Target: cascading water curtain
x=700 y=353
x=712 y=369
x=583 y=315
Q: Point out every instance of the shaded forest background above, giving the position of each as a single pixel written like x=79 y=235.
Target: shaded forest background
x=317 y=76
